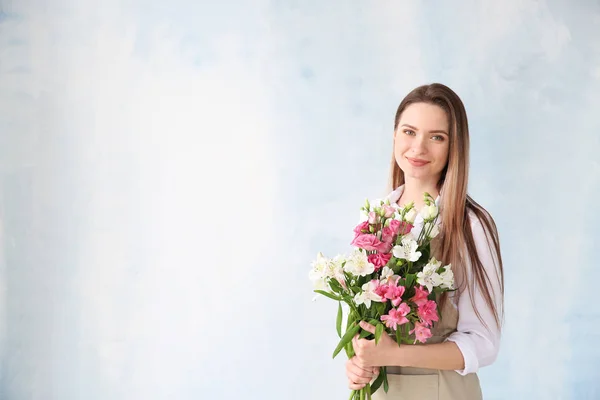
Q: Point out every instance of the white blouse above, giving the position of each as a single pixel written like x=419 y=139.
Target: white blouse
x=478 y=344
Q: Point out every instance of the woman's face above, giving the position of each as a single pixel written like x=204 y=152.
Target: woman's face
x=421 y=142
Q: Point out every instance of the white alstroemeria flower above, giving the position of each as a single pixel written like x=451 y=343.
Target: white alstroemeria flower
x=447 y=278
x=368 y=294
x=321 y=284
x=435 y=229
x=318 y=267
x=334 y=268
x=358 y=264
x=429 y=212
x=410 y=215
x=407 y=249
x=387 y=274
x=319 y=273
x=429 y=276
x=433 y=265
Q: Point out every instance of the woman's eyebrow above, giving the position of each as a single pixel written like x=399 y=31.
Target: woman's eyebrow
x=434 y=131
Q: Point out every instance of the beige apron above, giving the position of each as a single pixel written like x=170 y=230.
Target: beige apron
x=430 y=384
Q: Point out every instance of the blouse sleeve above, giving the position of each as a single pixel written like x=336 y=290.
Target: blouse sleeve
x=478 y=343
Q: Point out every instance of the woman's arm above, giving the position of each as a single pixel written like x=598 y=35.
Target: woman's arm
x=479 y=342
x=445 y=356
x=473 y=345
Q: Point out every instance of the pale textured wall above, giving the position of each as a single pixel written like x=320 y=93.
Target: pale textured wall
x=169 y=169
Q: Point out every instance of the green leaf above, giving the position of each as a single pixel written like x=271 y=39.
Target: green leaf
x=327 y=294
x=335 y=286
x=378 y=332
x=364 y=334
x=347 y=338
x=409 y=280
x=377 y=383
x=398 y=337
x=338 y=322
x=351 y=319
x=349 y=350
x=350 y=302
x=379 y=308
x=386 y=385
x=407 y=336
x=425 y=253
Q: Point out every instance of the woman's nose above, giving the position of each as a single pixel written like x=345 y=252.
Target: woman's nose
x=418 y=145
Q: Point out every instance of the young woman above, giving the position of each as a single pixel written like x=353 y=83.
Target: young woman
x=431 y=154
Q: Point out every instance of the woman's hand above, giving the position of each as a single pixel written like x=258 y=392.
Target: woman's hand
x=369 y=354
x=358 y=374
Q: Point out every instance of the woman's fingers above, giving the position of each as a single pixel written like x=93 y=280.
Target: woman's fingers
x=356 y=361
x=351 y=366
x=359 y=376
x=355 y=386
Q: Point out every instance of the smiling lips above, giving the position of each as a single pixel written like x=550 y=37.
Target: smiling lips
x=417 y=162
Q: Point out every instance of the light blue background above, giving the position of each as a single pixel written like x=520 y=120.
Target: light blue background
x=168 y=170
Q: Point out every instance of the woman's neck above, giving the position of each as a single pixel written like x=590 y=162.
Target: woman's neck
x=414 y=190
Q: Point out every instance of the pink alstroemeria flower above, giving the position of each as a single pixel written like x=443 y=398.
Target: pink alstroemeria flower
x=420 y=296
x=422 y=333
x=391 y=291
x=395 y=292
x=396 y=316
x=428 y=312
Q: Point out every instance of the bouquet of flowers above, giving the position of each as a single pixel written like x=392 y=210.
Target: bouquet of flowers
x=388 y=280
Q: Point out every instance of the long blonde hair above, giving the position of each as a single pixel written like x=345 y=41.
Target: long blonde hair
x=455 y=243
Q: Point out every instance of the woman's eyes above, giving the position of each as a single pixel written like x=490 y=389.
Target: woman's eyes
x=437 y=138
